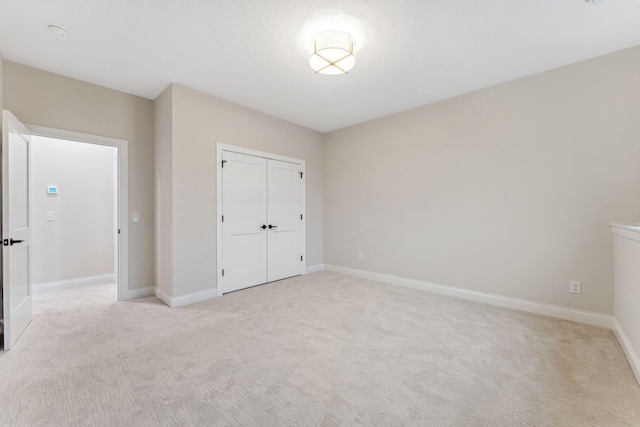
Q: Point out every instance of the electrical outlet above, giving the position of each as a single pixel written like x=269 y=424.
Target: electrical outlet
x=360 y=256
x=574 y=287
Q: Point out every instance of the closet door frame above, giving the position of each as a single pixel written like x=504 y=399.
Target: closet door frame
x=220 y=147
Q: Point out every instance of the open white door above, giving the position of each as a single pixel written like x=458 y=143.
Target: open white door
x=16 y=228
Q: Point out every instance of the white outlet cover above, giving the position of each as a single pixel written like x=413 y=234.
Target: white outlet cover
x=51 y=216
x=575 y=287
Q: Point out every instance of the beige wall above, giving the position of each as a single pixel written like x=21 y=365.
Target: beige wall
x=164 y=189
x=507 y=190
x=41 y=98
x=199 y=122
x=80 y=241
x=1 y=87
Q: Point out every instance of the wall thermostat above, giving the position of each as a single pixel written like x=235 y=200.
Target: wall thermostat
x=52 y=189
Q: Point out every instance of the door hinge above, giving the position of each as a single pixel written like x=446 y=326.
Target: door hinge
x=301 y=175
x=300 y=257
x=300 y=216
x=118 y=231
x=223 y=162
x=223 y=272
x=222 y=218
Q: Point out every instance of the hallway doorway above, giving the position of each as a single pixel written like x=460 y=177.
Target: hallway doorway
x=74 y=199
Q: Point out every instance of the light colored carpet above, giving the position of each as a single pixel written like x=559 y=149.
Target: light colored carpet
x=319 y=350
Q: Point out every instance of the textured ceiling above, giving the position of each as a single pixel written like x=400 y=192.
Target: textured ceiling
x=254 y=53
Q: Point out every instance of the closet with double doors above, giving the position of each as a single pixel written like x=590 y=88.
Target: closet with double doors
x=261 y=210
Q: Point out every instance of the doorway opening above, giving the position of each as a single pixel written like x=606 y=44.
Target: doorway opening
x=19 y=194
x=74 y=205
x=79 y=215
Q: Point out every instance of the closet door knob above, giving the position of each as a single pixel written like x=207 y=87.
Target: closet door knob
x=263 y=227
x=272 y=226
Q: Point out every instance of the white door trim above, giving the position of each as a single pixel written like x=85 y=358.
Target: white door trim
x=123 y=200
x=220 y=147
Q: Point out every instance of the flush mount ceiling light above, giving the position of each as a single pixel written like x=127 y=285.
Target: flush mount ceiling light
x=332 y=52
x=58 y=30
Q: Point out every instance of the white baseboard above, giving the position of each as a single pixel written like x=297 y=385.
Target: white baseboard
x=587 y=317
x=139 y=293
x=163 y=297
x=632 y=356
x=182 y=300
x=40 y=288
x=313 y=268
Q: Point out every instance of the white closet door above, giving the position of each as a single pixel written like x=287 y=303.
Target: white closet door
x=244 y=201
x=285 y=221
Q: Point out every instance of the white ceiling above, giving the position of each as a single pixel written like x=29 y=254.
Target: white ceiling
x=254 y=52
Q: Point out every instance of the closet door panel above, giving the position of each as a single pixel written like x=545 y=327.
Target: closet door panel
x=284 y=210
x=244 y=210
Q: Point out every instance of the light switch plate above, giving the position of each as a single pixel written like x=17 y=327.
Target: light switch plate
x=136 y=217
x=51 y=216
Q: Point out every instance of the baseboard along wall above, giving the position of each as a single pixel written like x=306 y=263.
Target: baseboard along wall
x=139 y=293
x=587 y=317
x=580 y=316
x=632 y=357
x=163 y=297
x=182 y=300
x=39 y=288
x=313 y=268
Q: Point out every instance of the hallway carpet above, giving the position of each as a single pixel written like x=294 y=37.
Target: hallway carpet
x=319 y=350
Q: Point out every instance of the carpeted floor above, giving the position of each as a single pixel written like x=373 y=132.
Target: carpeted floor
x=319 y=350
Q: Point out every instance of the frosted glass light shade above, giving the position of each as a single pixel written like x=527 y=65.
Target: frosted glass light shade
x=332 y=52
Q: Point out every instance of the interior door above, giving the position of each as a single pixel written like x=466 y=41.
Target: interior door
x=16 y=229
x=284 y=212
x=244 y=230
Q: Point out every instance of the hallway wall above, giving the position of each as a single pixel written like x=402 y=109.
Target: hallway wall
x=79 y=242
